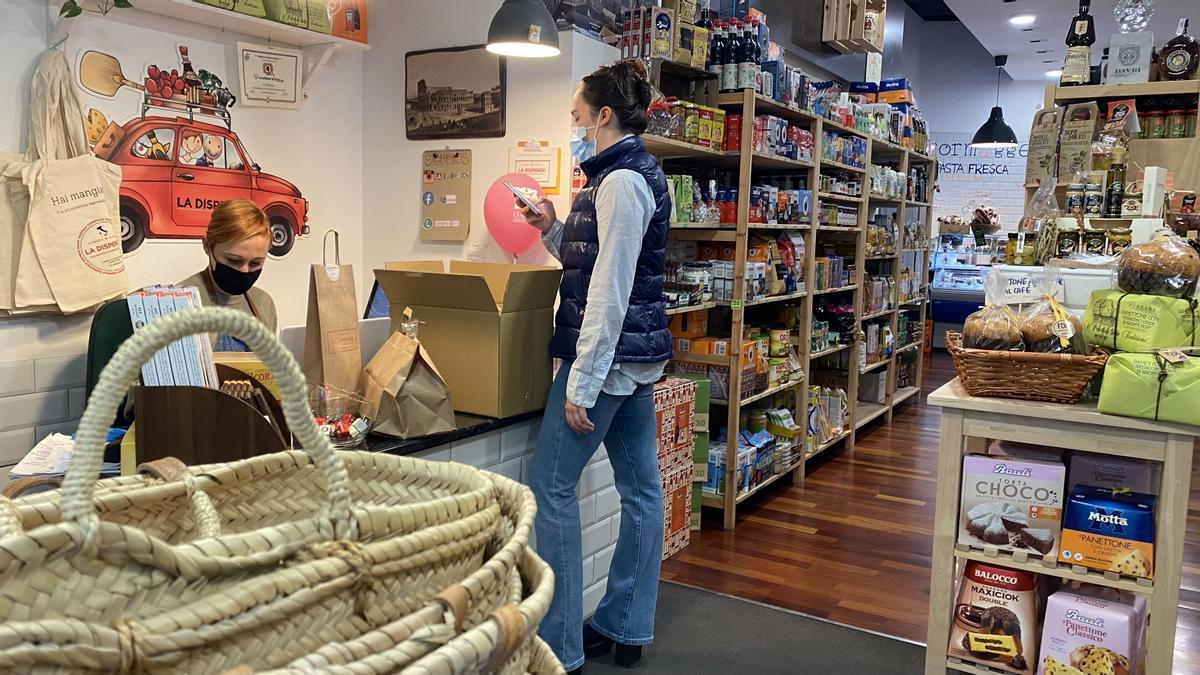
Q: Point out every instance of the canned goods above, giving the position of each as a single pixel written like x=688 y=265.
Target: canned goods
x=1093 y=200
x=1075 y=197
x=1094 y=242
x=1067 y=243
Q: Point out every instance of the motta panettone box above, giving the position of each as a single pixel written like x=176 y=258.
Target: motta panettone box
x=1011 y=504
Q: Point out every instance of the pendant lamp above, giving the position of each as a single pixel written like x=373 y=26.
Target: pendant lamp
x=523 y=28
x=995 y=132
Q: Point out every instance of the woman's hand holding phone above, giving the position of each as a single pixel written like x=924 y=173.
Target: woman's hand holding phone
x=542 y=222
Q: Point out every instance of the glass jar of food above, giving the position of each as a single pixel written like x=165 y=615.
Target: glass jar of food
x=691 y=123
x=1157 y=125
x=1067 y=243
x=1118 y=239
x=1024 y=253
x=1094 y=242
x=1010 y=249
x=1074 y=197
x=1176 y=124
x=1093 y=200
x=1190 y=132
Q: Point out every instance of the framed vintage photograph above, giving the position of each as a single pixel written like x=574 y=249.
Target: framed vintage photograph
x=454 y=93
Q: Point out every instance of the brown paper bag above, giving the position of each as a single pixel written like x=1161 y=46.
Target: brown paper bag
x=406 y=395
x=1043 y=145
x=331 y=347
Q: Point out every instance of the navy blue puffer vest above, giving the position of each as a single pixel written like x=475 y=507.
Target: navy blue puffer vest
x=644 y=335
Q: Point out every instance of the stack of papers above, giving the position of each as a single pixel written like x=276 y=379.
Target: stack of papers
x=187 y=362
x=51 y=456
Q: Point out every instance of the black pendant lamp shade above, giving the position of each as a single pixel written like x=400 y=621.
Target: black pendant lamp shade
x=995 y=132
x=523 y=28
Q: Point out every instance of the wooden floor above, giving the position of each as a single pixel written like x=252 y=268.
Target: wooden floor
x=853 y=545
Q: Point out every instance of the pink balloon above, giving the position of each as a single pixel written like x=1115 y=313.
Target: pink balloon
x=504 y=220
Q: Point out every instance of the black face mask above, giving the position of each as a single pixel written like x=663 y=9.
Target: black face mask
x=234 y=281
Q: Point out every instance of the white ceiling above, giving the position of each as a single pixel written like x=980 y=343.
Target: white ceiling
x=988 y=22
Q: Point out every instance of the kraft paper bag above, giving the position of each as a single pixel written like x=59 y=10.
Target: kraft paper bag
x=332 y=354
x=406 y=395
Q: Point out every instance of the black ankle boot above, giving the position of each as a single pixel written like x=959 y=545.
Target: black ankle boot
x=577 y=671
x=627 y=656
x=594 y=644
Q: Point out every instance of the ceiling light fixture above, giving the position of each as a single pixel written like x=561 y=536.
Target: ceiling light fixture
x=523 y=28
x=1022 y=19
x=995 y=132
x=1054 y=73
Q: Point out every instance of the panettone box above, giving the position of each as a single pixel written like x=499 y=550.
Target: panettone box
x=1011 y=504
x=1154 y=386
x=1125 y=322
x=1093 y=629
x=1109 y=530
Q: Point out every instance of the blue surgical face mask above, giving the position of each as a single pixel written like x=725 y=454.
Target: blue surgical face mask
x=582 y=149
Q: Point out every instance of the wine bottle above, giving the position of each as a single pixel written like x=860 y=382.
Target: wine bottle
x=1081 y=36
x=1116 y=183
x=716 y=51
x=733 y=51
x=1180 y=55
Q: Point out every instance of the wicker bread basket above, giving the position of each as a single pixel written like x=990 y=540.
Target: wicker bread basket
x=1031 y=376
x=136 y=575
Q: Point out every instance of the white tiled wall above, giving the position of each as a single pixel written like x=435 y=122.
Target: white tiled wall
x=509 y=451
x=38 y=396
x=979 y=176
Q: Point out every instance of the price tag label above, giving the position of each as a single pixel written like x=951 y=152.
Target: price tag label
x=1063 y=329
x=735 y=305
x=1172 y=355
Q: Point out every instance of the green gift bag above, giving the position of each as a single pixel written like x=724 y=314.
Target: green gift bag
x=1127 y=322
x=1151 y=386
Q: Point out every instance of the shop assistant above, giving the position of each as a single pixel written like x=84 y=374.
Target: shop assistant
x=236 y=243
x=612 y=248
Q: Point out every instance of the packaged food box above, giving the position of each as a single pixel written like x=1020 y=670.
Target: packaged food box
x=1152 y=386
x=1110 y=471
x=348 y=19
x=1012 y=504
x=1093 y=630
x=689 y=324
x=290 y=12
x=1110 y=531
x=1126 y=322
x=995 y=618
x=662 y=36
x=868 y=90
x=318 y=17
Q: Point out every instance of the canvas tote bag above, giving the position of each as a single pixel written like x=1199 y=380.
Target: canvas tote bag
x=332 y=354
x=69 y=254
x=406 y=395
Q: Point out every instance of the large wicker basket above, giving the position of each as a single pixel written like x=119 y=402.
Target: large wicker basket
x=1031 y=376
x=131 y=576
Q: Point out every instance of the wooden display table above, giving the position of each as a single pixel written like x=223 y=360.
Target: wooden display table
x=967 y=424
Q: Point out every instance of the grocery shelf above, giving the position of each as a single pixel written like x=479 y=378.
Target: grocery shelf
x=707 y=359
x=833 y=196
x=691 y=308
x=769 y=106
x=876 y=197
x=903 y=394
x=703 y=226
x=682 y=70
x=915 y=205
x=768 y=300
x=881 y=257
x=829 y=125
x=878 y=144
x=919 y=157
x=1038 y=565
x=764 y=160
x=784 y=226
x=765 y=483
x=866 y=412
x=908 y=347
x=875 y=366
x=827 y=352
x=762 y=394
x=838 y=228
x=828 y=444
x=877 y=315
x=839 y=289
x=669 y=148
x=968 y=667
x=915 y=301
x=1094 y=91
x=833 y=164
x=704 y=234
x=244 y=24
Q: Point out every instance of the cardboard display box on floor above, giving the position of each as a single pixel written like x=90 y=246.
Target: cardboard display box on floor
x=701 y=440
x=487 y=327
x=674 y=401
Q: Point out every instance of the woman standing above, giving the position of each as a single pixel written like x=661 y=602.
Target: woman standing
x=612 y=249
x=236 y=243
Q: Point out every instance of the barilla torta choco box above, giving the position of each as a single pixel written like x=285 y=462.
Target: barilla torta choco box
x=1012 y=504
x=1094 y=631
x=1109 y=530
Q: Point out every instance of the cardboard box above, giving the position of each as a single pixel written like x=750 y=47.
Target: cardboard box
x=1094 y=625
x=662 y=33
x=700 y=38
x=290 y=12
x=689 y=325
x=487 y=327
x=872 y=387
x=896 y=90
x=685 y=10
x=1109 y=531
x=681 y=42
x=868 y=90
x=674 y=403
x=348 y=19
x=1011 y=504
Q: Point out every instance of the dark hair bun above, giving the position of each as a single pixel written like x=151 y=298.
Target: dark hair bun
x=623 y=86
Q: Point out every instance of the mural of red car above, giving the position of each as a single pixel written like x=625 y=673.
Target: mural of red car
x=175 y=170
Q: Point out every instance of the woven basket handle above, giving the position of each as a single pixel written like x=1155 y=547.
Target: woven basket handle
x=119 y=374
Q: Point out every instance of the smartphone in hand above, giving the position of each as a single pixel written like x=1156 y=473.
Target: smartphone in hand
x=529 y=204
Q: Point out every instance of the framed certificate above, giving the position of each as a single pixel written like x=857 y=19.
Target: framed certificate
x=271 y=76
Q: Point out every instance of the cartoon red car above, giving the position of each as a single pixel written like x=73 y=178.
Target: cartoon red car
x=176 y=170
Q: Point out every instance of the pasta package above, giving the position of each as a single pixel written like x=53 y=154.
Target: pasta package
x=1126 y=322
x=1162 y=386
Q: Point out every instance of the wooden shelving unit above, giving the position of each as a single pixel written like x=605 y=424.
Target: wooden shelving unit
x=968 y=423
x=850 y=239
